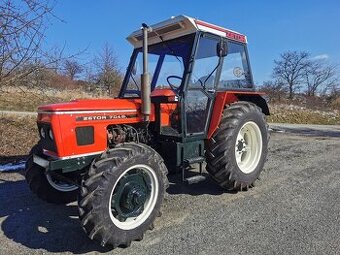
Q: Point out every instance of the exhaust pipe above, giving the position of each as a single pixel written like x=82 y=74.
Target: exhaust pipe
x=145 y=77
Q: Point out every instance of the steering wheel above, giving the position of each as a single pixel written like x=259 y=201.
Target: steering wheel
x=172 y=86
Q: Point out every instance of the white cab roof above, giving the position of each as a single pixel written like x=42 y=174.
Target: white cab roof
x=179 y=26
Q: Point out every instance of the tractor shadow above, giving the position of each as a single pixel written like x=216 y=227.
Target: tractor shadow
x=205 y=187
x=38 y=225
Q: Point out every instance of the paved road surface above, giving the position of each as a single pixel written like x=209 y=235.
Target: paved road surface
x=294 y=209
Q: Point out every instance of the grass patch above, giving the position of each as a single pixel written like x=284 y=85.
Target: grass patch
x=301 y=115
x=17 y=136
x=23 y=99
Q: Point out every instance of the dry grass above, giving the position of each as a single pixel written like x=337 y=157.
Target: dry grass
x=17 y=136
x=301 y=115
x=23 y=99
x=336 y=103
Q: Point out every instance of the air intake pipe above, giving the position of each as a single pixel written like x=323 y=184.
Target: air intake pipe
x=145 y=77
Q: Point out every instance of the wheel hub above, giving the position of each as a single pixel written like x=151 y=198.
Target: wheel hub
x=248 y=147
x=131 y=193
x=240 y=145
x=134 y=195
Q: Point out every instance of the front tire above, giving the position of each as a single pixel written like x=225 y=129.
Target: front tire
x=44 y=185
x=238 y=149
x=122 y=194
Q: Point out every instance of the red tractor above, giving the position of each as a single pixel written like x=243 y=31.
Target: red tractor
x=193 y=101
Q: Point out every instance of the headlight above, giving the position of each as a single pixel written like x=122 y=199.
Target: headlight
x=42 y=133
x=50 y=134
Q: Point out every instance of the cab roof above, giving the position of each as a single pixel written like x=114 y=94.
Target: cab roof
x=182 y=25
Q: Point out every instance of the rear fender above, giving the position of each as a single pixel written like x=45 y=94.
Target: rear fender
x=224 y=98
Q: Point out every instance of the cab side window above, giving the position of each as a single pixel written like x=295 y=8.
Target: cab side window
x=235 y=71
x=205 y=67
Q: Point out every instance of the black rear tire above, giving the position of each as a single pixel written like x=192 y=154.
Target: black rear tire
x=37 y=180
x=222 y=147
x=99 y=190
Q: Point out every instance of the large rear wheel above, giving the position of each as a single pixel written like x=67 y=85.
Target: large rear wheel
x=237 y=151
x=122 y=194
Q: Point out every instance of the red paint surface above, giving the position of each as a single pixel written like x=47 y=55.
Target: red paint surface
x=223 y=98
x=228 y=33
x=62 y=118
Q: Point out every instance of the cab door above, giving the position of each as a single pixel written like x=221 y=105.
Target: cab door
x=200 y=92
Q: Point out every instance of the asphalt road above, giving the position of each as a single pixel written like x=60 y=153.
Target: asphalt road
x=293 y=209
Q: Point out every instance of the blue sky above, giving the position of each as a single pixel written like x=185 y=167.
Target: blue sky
x=272 y=27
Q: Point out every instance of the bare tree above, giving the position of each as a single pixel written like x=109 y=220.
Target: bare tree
x=108 y=75
x=290 y=69
x=274 y=89
x=333 y=90
x=22 y=27
x=319 y=74
x=72 y=68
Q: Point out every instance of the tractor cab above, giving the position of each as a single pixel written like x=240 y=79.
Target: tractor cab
x=189 y=63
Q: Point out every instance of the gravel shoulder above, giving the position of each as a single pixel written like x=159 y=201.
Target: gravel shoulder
x=293 y=209
x=307 y=129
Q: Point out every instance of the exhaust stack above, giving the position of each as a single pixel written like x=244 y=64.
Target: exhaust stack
x=145 y=77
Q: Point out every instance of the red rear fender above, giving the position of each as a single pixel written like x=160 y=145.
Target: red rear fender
x=224 y=98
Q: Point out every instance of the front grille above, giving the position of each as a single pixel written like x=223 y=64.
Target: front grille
x=46 y=142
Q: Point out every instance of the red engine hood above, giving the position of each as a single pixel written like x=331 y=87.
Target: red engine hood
x=93 y=105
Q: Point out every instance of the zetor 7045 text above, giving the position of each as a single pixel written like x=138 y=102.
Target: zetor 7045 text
x=188 y=97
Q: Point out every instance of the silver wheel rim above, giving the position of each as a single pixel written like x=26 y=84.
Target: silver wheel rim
x=149 y=205
x=59 y=185
x=248 y=147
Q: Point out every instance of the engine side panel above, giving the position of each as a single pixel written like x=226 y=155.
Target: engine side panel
x=80 y=127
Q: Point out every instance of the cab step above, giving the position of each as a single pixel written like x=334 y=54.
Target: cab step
x=195 y=179
x=194 y=160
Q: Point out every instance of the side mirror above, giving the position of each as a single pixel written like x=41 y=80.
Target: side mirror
x=222 y=49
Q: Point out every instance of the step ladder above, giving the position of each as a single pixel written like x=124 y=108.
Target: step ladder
x=196 y=178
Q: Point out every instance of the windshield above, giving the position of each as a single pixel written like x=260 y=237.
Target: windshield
x=167 y=64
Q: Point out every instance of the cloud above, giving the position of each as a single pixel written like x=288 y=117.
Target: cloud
x=322 y=57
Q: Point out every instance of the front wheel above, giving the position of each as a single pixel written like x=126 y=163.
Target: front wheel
x=44 y=185
x=238 y=149
x=122 y=194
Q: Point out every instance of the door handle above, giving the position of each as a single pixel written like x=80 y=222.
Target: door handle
x=211 y=90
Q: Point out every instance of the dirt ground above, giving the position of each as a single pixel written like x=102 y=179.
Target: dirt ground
x=293 y=209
